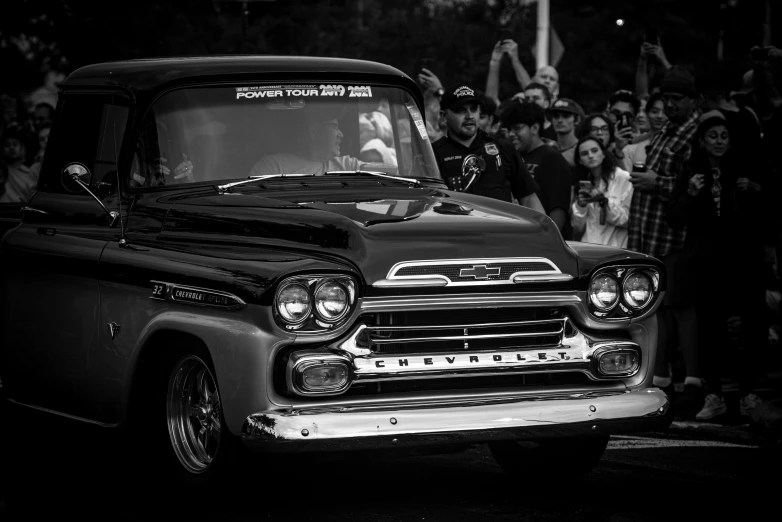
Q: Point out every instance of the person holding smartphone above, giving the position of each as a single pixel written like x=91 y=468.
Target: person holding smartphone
x=602 y=207
x=720 y=203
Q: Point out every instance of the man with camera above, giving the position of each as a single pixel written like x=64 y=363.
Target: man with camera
x=472 y=161
x=622 y=109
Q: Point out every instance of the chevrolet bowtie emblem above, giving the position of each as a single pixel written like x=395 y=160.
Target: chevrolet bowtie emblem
x=479 y=272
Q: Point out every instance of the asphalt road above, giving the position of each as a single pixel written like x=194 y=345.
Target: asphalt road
x=692 y=471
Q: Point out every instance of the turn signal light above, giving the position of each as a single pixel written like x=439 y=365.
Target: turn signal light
x=619 y=362
x=324 y=377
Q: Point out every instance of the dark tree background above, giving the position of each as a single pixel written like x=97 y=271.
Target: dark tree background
x=457 y=34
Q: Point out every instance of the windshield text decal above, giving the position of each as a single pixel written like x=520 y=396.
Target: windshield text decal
x=300 y=91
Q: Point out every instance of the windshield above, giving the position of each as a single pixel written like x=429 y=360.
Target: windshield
x=221 y=133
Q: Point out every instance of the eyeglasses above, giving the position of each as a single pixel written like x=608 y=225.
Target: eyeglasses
x=599 y=130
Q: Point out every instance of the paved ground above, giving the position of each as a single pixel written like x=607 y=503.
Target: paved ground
x=693 y=470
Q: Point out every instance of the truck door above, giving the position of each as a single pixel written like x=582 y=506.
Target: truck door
x=49 y=281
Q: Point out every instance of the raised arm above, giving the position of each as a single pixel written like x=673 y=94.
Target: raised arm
x=511 y=48
x=493 y=77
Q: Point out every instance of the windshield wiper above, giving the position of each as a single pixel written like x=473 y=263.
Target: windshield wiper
x=224 y=188
x=372 y=173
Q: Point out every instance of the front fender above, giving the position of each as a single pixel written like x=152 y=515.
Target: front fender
x=241 y=353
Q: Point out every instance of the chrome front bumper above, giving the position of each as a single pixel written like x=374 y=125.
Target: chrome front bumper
x=486 y=420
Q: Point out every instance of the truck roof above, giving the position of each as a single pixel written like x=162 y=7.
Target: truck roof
x=148 y=74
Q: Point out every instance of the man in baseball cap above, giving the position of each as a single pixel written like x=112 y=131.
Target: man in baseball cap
x=503 y=175
x=565 y=116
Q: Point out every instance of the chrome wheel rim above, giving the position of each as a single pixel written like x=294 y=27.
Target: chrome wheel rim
x=194 y=414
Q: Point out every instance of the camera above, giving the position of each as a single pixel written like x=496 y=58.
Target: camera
x=505 y=34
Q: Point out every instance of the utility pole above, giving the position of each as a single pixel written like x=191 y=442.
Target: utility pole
x=543 y=38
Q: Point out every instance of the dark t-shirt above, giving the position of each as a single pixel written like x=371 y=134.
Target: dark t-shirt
x=552 y=174
x=505 y=176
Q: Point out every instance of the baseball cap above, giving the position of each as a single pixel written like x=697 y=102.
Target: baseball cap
x=566 y=105
x=458 y=96
x=678 y=80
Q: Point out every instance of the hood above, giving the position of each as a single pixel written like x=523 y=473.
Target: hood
x=371 y=229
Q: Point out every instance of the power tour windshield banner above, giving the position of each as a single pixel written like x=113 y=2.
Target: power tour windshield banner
x=299 y=91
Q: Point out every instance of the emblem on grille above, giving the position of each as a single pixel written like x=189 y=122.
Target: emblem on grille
x=479 y=272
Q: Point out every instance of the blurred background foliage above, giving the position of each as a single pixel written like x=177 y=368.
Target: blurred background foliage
x=458 y=35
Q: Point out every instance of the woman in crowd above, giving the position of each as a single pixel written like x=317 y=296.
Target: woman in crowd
x=597 y=126
x=602 y=208
x=721 y=208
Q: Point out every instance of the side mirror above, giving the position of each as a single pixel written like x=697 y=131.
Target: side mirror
x=76 y=178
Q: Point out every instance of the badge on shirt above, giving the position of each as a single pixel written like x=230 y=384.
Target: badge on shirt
x=491 y=148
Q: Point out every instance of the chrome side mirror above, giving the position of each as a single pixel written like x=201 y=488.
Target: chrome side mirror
x=472 y=168
x=76 y=178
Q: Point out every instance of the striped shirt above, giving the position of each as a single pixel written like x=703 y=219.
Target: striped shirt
x=669 y=151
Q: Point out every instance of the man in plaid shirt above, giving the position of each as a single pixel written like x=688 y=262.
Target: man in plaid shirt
x=649 y=233
x=669 y=150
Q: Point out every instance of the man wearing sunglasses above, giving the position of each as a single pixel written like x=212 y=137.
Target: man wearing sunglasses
x=649 y=233
x=501 y=175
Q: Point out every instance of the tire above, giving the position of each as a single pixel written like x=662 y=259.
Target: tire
x=201 y=451
x=549 y=457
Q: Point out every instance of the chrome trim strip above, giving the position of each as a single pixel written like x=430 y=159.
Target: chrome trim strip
x=553 y=278
x=64 y=415
x=398 y=425
x=393 y=280
x=411 y=282
x=449 y=302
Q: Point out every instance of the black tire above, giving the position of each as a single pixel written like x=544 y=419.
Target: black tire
x=549 y=457
x=168 y=430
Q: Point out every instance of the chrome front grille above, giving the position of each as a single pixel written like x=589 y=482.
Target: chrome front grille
x=463 y=330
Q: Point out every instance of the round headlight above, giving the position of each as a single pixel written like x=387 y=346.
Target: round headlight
x=604 y=292
x=331 y=301
x=294 y=303
x=637 y=290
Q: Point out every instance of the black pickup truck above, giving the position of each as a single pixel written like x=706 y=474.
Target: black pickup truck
x=235 y=253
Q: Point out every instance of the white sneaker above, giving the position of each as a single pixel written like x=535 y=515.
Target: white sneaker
x=713 y=406
x=749 y=403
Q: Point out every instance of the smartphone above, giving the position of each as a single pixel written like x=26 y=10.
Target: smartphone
x=652 y=36
x=505 y=34
x=585 y=184
x=624 y=121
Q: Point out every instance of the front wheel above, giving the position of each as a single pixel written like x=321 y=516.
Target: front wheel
x=201 y=443
x=549 y=457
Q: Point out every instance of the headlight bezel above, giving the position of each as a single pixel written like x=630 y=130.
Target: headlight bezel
x=624 y=309
x=314 y=323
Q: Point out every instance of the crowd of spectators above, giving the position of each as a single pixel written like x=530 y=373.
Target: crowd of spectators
x=24 y=133
x=682 y=168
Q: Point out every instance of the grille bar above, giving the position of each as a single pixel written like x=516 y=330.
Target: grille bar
x=422 y=333
x=468 y=326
